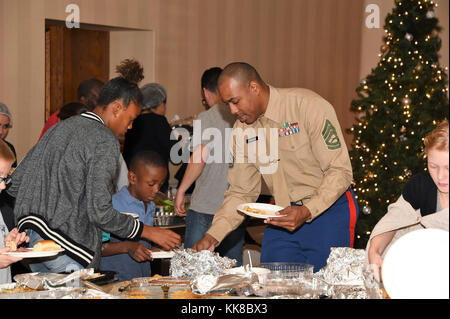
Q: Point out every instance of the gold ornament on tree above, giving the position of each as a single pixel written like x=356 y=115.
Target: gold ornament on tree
x=367 y=210
x=406 y=101
x=419 y=67
x=408 y=172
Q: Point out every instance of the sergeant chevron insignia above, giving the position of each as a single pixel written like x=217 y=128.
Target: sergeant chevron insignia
x=330 y=136
x=231 y=164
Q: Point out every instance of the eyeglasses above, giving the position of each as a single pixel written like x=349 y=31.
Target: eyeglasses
x=6 y=179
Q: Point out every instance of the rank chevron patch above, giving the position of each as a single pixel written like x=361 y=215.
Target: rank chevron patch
x=330 y=136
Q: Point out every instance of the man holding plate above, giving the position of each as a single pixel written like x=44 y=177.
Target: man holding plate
x=309 y=176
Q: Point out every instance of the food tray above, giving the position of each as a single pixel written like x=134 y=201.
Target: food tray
x=295 y=279
x=150 y=288
x=168 y=220
x=161 y=281
x=13 y=288
x=102 y=277
x=60 y=293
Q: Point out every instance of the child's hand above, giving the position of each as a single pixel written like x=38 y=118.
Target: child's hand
x=139 y=252
x=165 y=238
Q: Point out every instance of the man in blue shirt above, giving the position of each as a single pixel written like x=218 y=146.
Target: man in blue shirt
x=131 y=259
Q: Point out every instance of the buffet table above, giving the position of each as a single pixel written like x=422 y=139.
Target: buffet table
x=206 y=275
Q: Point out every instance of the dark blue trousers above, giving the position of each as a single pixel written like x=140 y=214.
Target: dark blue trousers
x=311 y=242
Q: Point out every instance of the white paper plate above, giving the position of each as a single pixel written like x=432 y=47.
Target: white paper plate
x=135 y=216
x=416 y=266
x=162 y=254
x=33 y=254
x=269 y=210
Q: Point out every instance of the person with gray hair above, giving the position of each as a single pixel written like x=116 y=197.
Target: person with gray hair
x=151 y=130
x=155 y=98
x=6 y=123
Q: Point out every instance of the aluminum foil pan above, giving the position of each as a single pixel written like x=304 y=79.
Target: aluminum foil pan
x=348 y=275
x=225 y=283
x=52 y=281
x=190 y=264
x=345 y=266
x=61 y=293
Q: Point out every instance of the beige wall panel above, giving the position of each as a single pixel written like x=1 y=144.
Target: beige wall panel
x=22 y=52
x=119 y=13
x=133 y=44
x=312 y=44
x=22 y=69
x=442 y=13
x=322 y=45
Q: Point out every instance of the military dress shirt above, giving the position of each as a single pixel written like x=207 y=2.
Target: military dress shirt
x=308 y=163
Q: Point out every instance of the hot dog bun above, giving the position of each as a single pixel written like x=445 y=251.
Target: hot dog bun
x=46 y=245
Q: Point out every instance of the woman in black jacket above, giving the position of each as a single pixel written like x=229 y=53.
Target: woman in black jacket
x=151 y=130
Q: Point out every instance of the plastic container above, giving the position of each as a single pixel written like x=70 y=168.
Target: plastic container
x=287 y=279
x=288 y=270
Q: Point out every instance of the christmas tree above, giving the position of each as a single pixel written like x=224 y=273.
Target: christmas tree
x=398 y=104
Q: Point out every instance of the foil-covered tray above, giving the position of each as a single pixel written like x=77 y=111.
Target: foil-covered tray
x=348 y=275
x=207 y=284
x=190 y=264
x=49 y=281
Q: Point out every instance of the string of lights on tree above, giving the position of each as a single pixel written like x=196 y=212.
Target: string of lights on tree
x=399 y=103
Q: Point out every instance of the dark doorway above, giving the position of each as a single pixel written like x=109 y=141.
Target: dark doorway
x=72 y=56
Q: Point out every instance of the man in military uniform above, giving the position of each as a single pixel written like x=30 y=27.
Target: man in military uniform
x=310 y=174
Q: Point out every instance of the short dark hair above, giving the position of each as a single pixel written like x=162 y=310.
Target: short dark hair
x=71 y=109
x=243 y=72
x=210 y=78
x=120 y=88
x=90 y=89
x=147 y=157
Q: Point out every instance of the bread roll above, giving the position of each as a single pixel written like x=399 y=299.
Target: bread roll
x=12 y=245
x=46 y=245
